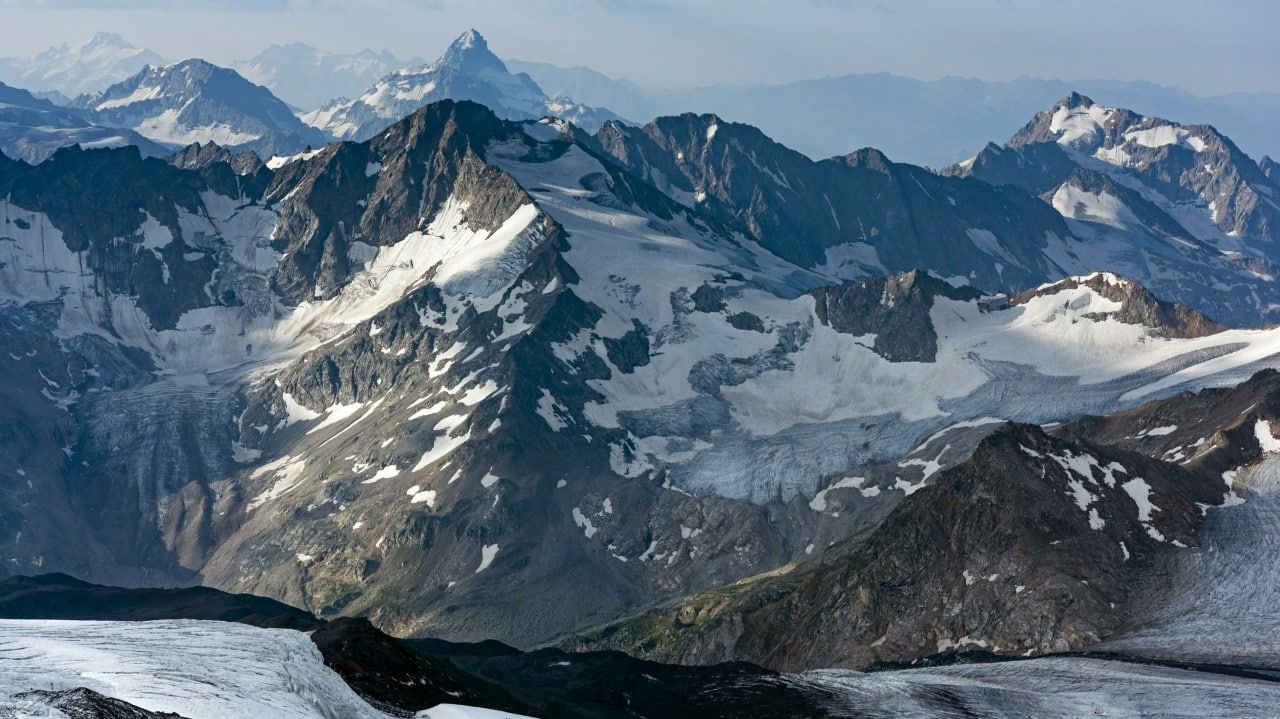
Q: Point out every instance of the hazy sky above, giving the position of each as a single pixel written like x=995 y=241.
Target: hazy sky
x=1206 y=46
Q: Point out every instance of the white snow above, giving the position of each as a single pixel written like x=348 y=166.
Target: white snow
x=487 y=553
x=636 y=268
x=287 y=473
x=1267 y=441
x=418 y=495
x=458 y=711
x=295 y=411
x=550 y=410
x=1162 y=135
x=819 y=501
x=1071 y=201
x=1079 y=125
x=584 y=522
x=278 y=161
x=199 y=669
x=386 y=472
x=441 y=447
x=335 y=414
x=168 y=127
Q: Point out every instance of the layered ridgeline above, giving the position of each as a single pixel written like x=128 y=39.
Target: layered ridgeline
x=196 y=101
x=479 y=378
x=307 y=77
x=1168 y=204
x=467 y=70
x=863 y=214
x=31 y=129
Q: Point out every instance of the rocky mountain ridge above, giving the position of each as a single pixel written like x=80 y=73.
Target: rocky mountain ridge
x=474 y=363
x=951 y=567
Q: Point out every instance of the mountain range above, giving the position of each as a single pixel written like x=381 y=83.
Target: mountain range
x=500 y=366
x=418 y=377
x=931 y=123
x=925 y=122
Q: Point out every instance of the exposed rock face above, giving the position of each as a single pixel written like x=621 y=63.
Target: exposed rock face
x=955 y=565
x=1211 y=431
x=468 y=70
x=198 y=156
x=893 y=310
x=1270 y=169
x=1165 y=203
x=196 y=101
x=58 y=596
x=849 y=216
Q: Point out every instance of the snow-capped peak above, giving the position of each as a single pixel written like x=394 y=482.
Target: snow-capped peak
x=1078 y=120
x=197 y=101
x=467 y=70
x=470 y=54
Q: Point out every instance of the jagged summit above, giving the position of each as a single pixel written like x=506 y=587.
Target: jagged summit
x=467 y=70
x=469 y=40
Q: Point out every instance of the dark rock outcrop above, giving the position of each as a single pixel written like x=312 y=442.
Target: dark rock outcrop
x=894 y=309
x=82 y=703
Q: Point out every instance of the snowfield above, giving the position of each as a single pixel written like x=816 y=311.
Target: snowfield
x=199 y=669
